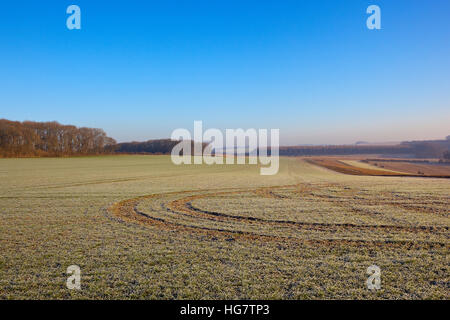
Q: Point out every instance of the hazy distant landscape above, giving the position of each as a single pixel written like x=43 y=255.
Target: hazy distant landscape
x=28 y=139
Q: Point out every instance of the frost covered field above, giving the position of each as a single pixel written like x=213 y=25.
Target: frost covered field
x=140 y=227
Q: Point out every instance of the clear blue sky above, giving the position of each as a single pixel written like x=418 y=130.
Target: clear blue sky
x=140 y=69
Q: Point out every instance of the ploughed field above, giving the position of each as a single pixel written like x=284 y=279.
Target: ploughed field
x=140 y=227
x=385 y=167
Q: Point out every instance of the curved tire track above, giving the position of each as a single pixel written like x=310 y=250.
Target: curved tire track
x=127 y=210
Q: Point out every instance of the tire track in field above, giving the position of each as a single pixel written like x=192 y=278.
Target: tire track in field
x=385 y=199
x=127 y=210
x=320 y=225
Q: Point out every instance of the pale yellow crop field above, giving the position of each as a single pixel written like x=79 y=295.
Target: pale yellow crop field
x=363 y=165
x=140 y=227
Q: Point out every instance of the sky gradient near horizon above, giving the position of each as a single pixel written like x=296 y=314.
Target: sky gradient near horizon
x=140 y=69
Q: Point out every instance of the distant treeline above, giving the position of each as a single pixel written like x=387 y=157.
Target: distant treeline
x=163 y=146
x=160 y=146
x=53 y=139
x=415 y=149
x=429 y=148
x=344 y=150
x=446 y=156
x=29 y=138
